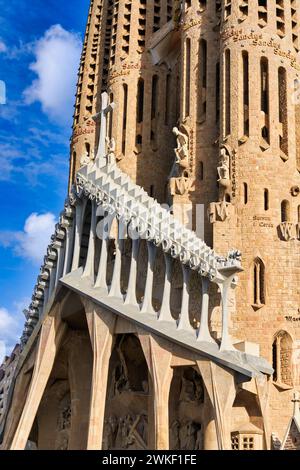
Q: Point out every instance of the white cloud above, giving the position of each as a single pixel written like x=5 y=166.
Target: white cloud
x=32 y=243
x=3 y=47
x=11 y=327
x=57 y=56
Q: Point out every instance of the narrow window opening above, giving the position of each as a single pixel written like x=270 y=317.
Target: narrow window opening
x=125 y=103
x=217 y=92
x=264 y=72
x=283 y=110
x=285 y=211
x=202 y=79
x=227 y=93
x=245 y=56
x=187 y=77
x=266 y=199
x=140 y=101
x=245 y=191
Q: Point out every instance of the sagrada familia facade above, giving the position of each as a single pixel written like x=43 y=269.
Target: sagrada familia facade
x=144 y=333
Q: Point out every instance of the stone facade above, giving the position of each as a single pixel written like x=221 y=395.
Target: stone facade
x=161 y=326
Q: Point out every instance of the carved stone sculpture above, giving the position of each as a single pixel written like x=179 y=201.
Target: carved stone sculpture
x=287 y=231
x=85 y=159
x=111 y=150
x=182 y=150
x=224 y=173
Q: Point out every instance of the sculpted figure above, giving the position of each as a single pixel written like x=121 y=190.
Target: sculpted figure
x=175 y=438
x=199 y=440
x=224 y=174
x=85 y=159
x=182 y=150
x=187 y=390
x=111 y=149
x=224 y=165
x=108 y=437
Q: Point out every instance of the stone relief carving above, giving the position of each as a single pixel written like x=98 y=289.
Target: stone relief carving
x=111 y=150
x=224 y=173
x=63 y=427
x=85 y=159
x=219 y=211
x=127 y=432
x=186 y=436
x=180 y=178
x=192 y=389
x=286 y=231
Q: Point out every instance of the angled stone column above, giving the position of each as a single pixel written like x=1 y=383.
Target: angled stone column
x=104 y=232
x=69 y=242
x=21 y=387
x=220 y=386
x=80 y=367
x=147 y=306
x=115 y=288
x=89 y=270
x=101 y=327
x=226 y=343
x=165 y=310
x=184 y=318
x=263 y=397
x=51 y=336
x=204 y=333
x=131 y=289
x=159 y=359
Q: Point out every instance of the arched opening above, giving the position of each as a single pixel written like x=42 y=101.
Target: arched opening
x=159 y=279
x=187 y=80
x=88 y=149
x=112 y=247
x=201 y=171
x=285 y=211
x=85 y=236
x=202 y=79
x=124 y=123
x=141 y=270
x=176 y=289
x=127 y=399
x=227 y=86
x=218 y=81
x=259 y=283
x=186 y=402
x=140 y=101
x=282 y=358
x=283 y=109
x=126 y=262
x=245 y=61
x=154 y=96
x=245 y=193
x=168 y=99
x=61 y=420
x=266 y=200
x=195 y=299
x=264 y=79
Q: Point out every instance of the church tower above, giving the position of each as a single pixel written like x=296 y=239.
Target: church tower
x=142 y=333
x=226 y=75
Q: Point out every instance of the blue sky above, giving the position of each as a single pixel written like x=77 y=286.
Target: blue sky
x=40 y=45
